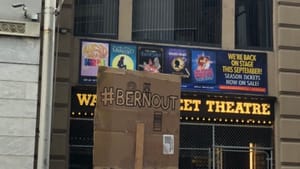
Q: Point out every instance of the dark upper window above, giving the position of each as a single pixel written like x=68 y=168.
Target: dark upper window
x=177 y=21
x=96 y=18
x=253 y=28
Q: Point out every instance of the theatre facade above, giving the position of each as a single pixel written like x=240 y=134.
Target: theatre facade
x=216 y=131
x=239 y=92
x=226 y=115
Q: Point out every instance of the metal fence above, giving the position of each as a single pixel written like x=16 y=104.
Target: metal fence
x=207 y=146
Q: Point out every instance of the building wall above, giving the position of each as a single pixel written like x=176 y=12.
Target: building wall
x=66 y=72
x=283 y=76
x=288 y=46
x=19 y=67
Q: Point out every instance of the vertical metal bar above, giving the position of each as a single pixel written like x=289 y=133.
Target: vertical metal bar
x=268 y=160
x=209 y=157
x=271 y=159
x=251 y=156
x=213 y=147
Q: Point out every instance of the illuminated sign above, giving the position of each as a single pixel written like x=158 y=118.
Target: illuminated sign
x=236 y=109
x=194 y=107
x=229 y=107
x=83 y=101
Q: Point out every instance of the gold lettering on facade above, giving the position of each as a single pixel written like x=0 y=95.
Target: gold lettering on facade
x=238 y=107
x=190 y=105
x=86 y=99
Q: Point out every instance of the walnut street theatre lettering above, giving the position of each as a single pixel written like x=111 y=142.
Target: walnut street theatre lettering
x=140 y=99
x=227 y=107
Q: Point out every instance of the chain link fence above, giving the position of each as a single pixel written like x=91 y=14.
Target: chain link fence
x=204 y=146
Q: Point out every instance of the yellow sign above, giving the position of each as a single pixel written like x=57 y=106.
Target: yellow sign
x=238 y=107
x=193 y=105
x=190 y=105
x=226 y=107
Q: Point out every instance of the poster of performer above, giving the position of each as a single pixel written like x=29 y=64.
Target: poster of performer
x=150 y=59
x=203 y=67
x=123 y=56
x=177 y=61
x=93 y=54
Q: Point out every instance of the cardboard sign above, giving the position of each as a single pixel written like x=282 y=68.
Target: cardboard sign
x=134 y=111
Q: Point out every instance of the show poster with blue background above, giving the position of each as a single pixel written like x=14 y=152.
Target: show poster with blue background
x=228 y=71
x=242 y=71
x=177 y=61
x=123 y=56
x=203 y=67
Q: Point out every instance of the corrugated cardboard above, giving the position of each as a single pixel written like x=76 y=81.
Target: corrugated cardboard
x=115 y=123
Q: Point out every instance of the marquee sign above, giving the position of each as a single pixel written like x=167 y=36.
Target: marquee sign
x=234 y=109
x=83 y=101
x=195 y=107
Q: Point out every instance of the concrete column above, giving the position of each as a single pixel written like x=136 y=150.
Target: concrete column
x=125 y=20
x=228 y=21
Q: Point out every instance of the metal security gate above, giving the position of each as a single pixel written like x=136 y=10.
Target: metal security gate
x=198 y=158
x=216 y=146
x=230 y=157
